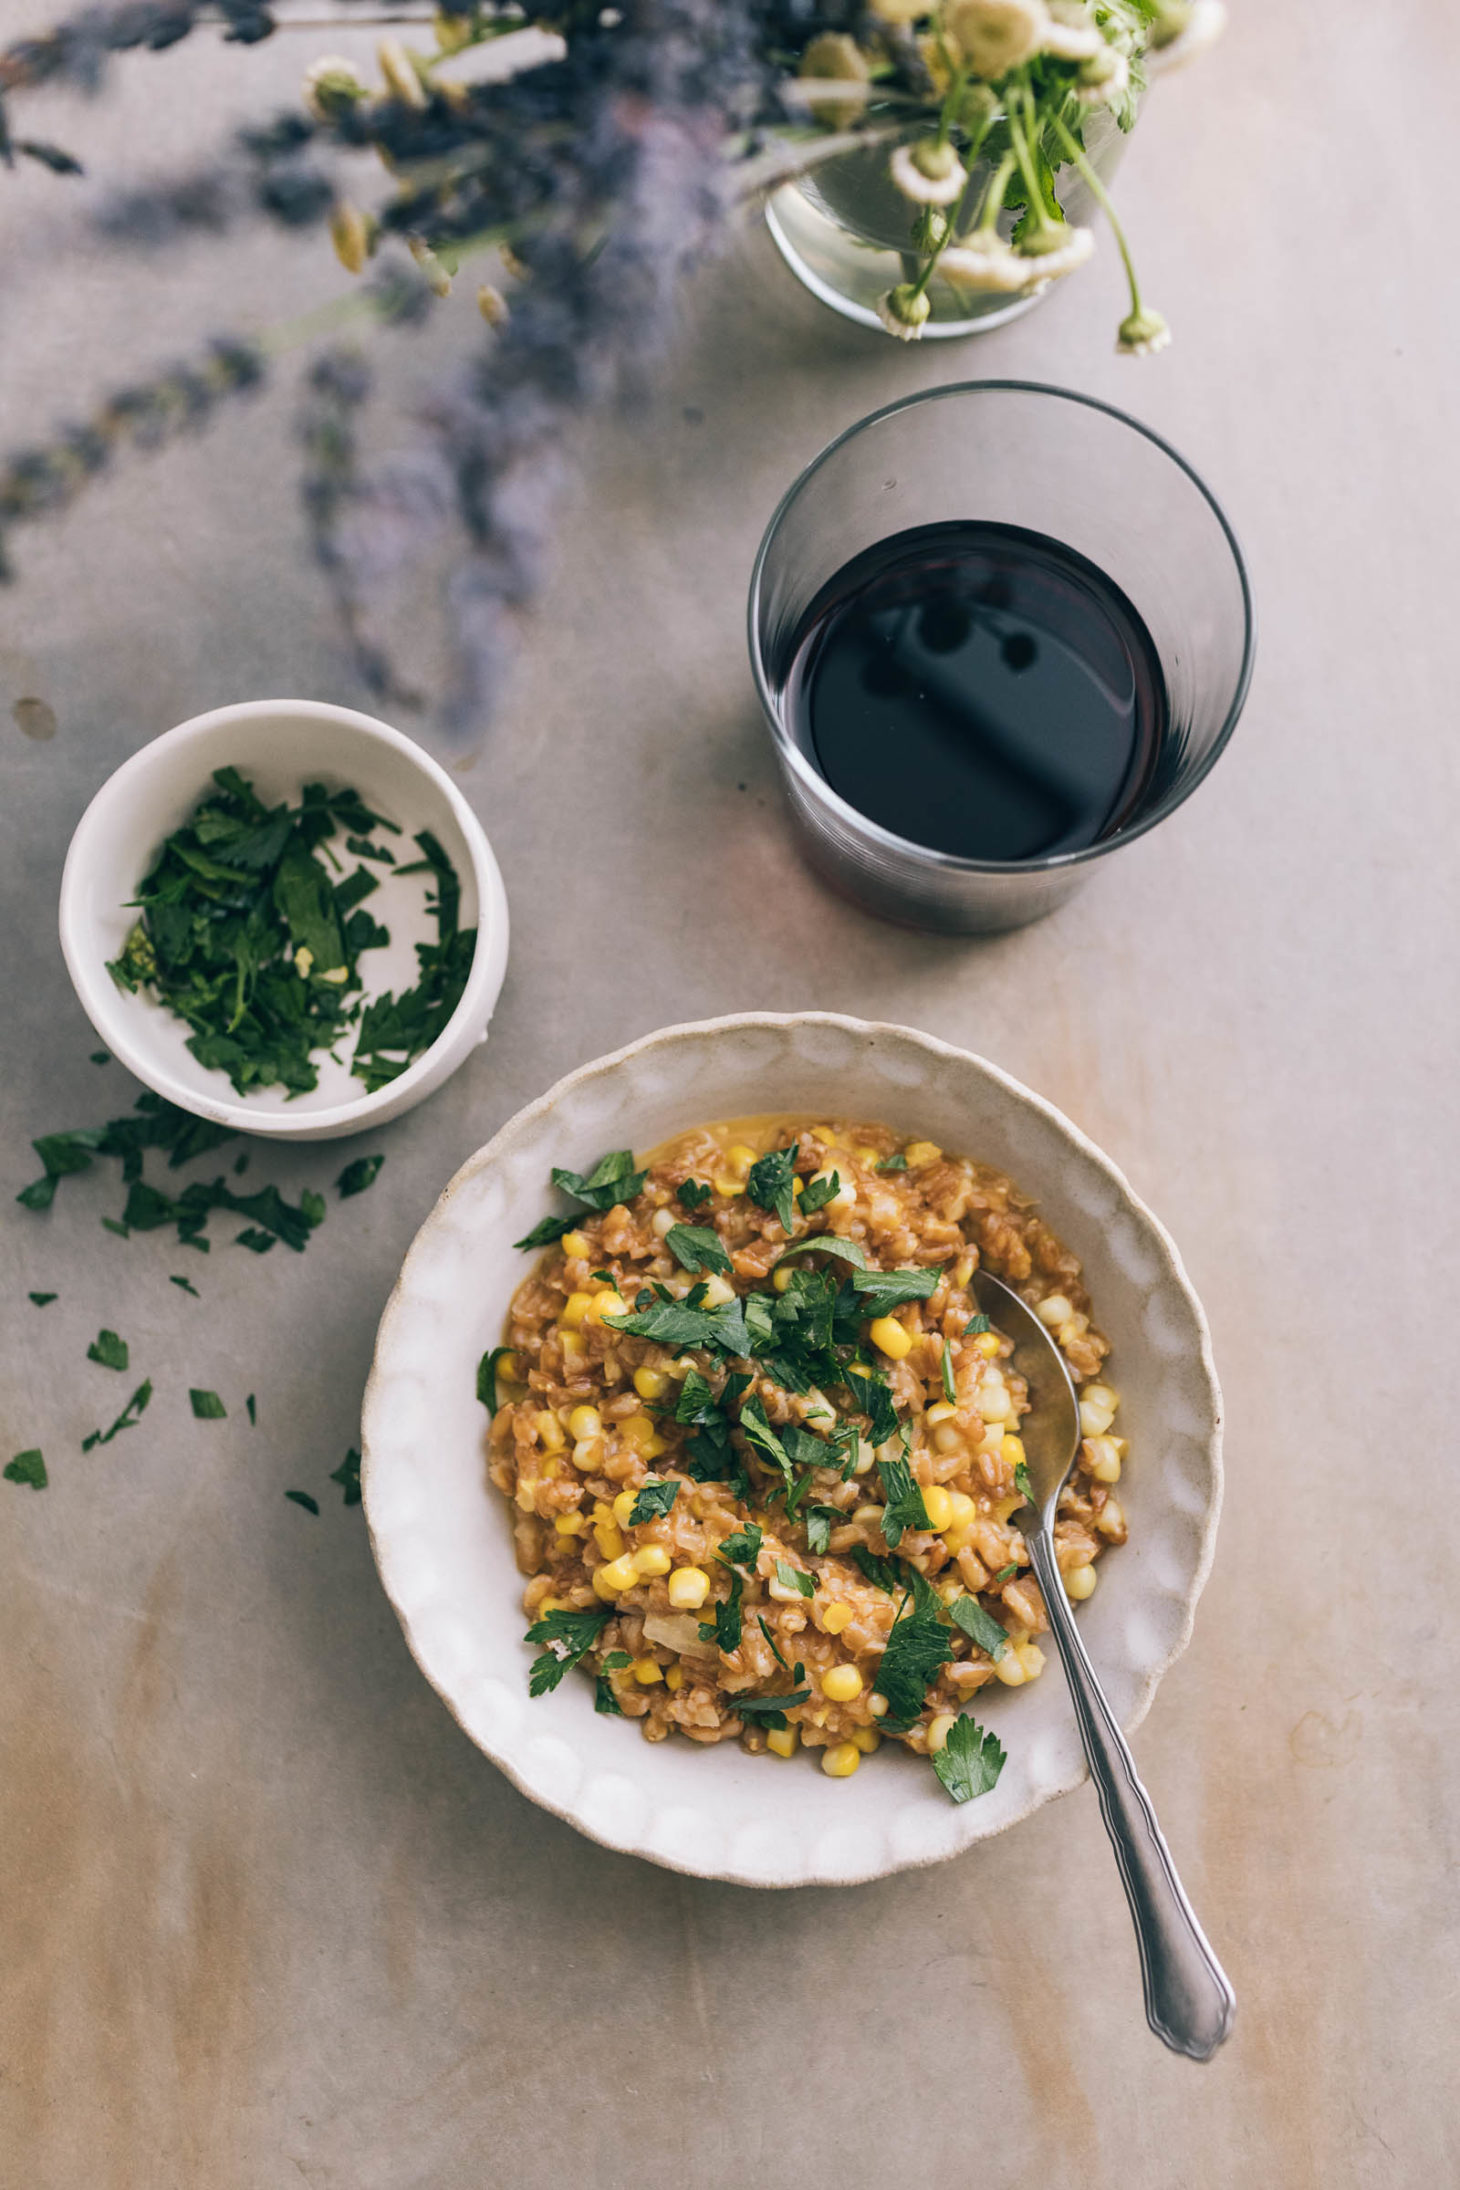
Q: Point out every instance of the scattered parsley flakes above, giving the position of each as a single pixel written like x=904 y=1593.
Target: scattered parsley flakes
x=820 y=1521
x=302 y=1498
x=130 y=1415
x=568 y=1636
x=770 y=1185
x=112 y=1352
x=881 y=1573
x=816 y=1193
x=881 y=1290
x=613 y=1179
x=741 y=1549
x=693 y=1194
x=605 y=1702
x=893 y=1163
x=976 y=1326
x=771 y=1710
x=186 y=1285
x=487 y=1377
x=764 y=1439
x=970 y=1760
x=792 y=1577
x=207 y=1406
x=1023 y=1485
x=101 y=1057
x=904 y=1509
x=110 y=1224
x=356 y=1176
x=979 y=1626
x=43 y=1300
x=1005 y=1572
x=28 y=1467
x=653 y=1501
x=828 y=1243
x=726 y=1626
x=252 y=1411
x=698 y=1247
x=764 y=1625
x=347 y=1475
x=947 y=1365
x=918 y=1647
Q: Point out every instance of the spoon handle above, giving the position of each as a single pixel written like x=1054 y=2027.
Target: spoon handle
x=1189 y=2003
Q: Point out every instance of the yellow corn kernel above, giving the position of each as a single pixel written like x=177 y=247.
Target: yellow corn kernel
x=688 y=1588
x=509 y=1369
x=868 y=1740
x=994 y=1403
x=947 y=1437
x=781 y=1280
x=605 y=1589
x=938 y=1504
x=610 y=1541
x=841 y=1759
x=958 y=1537
x=574 y=1308
x=1080 y=1582
x=868 y=1516
x=674 y=1679
x=739 y=1159
x=1009 y=1670
x=619 y=1573
x=1031 y=1657
x=574 y=1350
x=606 y=1304
x=724 y=1184
x=650 y=1383
x=987 y=1344
x=836 y=1618
x=921 y=1152
x=1110 y=1520
x=550 y=1432
x=1005 y=1508
x=878 y=1707
x=651 y=1560
x=942 y=1410
x=545 y=1605
x=891 y=1338
x=843 y=1684
x=781 y=1741
x=637 y=1430
x=1054 y=1311
x=623 y=1506
x=586 y=1454
x=647 y=1671
x=1102 y=1458
x=964 y=1510
x=798 y=1188
x=570 y=1524
x=717 y=1293
x=577 y=1244
x=1100 y=1395
x=1013 y=1451
x=939 y=1730
x=584 y=1422
x=1094 y=1420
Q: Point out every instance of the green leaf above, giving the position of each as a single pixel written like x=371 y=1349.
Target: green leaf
x=976 y=1326
x=252 y=1411
x=545 y=1231
x=258 y=1243
x=970 y=1761
x=827 y=1243
x=881 y=1573
x=28 y=1467
x=880 y=1290
x=979 y=1626
x=676 y=1323
x=653 y=1501
x=872 y=1396
x=312 y=1207
x=39 y=1194
x=946 y=1362
x=112 y=1352
x=605 y=1701
x=904 y=1509
x=612 y=1180
x=770 y=1185
x=1005 y=1572
x=698 y=1247
x=347 y=1475
x=1023 y=1485
x=356 y=1176
x=764 y=1439
x=693 y=1194
x=43 y=1300
x=487 y=1377
x=725 y=1627
x=820 y=1521
x=207 y=1406
x=918 y=1647
x=130 y=1415
x=743 y=1548
x=764 y=1625
x=792 y=1577
x=894 y=1163
x=185 y=1285
x=302 y=1498
x=569 y=1636
x=816 y=1193
x=770 y=1710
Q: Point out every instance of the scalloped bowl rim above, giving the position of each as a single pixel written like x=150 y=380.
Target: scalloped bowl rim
x=965 y=1822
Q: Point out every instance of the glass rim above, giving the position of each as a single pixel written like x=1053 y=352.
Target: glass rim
x=953 y=862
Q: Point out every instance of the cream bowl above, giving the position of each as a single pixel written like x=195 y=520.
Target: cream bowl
x=279 y=745
x=442 y=1535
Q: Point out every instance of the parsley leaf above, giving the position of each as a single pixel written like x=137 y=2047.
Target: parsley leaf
x=979 y=1626
x=613 y=1179
x=569 y=1636
x=917 y=1649
x=207 y=1406
x=949 y=1392
x=816 y=1193
x=770 y=1185
x=135 y=1408
x=771 y=1710
x=347 y=1475
x=743 y=1548
x=681 y=1323
x=764 y=1625
x=881 y=1573
x=904 y=1509
x=880 y=1290
x=1005 y=1571
x=1023 y=1485
x=764 y=1439
x=605 y=1702
x=653 y=1501
x=698 y=1247
x=726 y=1626
x=112 y=1352
x=28 y=1467
x=252 y=1411
x=820 y=1521
x=487 y=1377
x=970 y=1760
x=792 y=1577
x=302 y=1498
x=976 y=1326
x=43 y=1300
x=872 y=1395
x=894 y=1163
x=827 y=1243
x=545 y=1231
x=356 y=1176
x=693 y=1193
x=186 y=1285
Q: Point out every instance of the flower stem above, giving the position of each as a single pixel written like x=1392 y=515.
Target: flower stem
x=1101 y=195
x=955 y=219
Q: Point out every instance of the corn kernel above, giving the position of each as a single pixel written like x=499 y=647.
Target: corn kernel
x=638 y=1430
x=509 y=1369
x=1110 y=1520
x=717 y=1293
x=1013 y=1451
x=958 y=1537
x=674 y=1679
x=865 y=1458
x=1009 y=1670
x=1031 y=1657
x=987 y=1344
x=651 y=1560
x=548 y=1604
x=798 y=1188
x=842 y=1684
x=964 y=1510
x=585 y=1422
x=1080 y=1583
x=574 y=1308
x=781 y=1741
x=570 y=1524
x=609 y=1540
x=891 y=1338
x=604 y=1588
x=938 y=1504
x=688 y=1588
x=868 y=1740
x=878 y=1707
x=739 y=1158
x=1054 y=1311
x=577 y=1244
x=550 y=1432
x=724 y=1184
x=868 y=1516
x=1094 y=1420
x=943 y=1410
x=617 y=1574
x=574 y=1350
x=1102 y=1457
x=1100 y=1395
x=623 y=1506
x=647 y=1671
x=841 y=1759
x=606 y=1304
x=939 y=1730
x=921 y=1152
x=661 y=1224
x=836 y=1618
x=994 y=1403
x=781 y=1281
x=650 y=1383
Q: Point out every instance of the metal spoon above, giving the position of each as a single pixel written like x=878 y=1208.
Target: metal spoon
x=1189 y=2003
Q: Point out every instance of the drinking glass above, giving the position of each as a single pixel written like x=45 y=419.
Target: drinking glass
x=1079 y=471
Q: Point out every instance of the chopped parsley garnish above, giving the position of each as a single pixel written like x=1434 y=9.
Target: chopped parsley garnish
x=347 y=1475
x=880 y=1290
x=904 y=1509
x=764 y=1439
x=893 y=1163
x=112 y=1352
x=976 y=1326
x=605 y=1702
x=569 y=1636
x=970 y=1760
x=258 y=1243
x=185 y=1285
x=770 y=1185
x=743 y=1548
x=881 y=1573
x=101 y=1057
x=693 y=1193
x=820 y=1521
x=207 y=1406
x=918 y=1647
x=487 y=1377
x=28 y=1467
x=43 y=1300
x=1005 y=1571
x=764 y=1625
x=681 y=1323
x=816 y=1193
x=110 y=1224
x=949 y=1393
x=698 y=1247
x=302 y=1498
x=130 y=1415
x=827 y=1243
x=356 y=1176
x=979 y=1626
x=613 y=1179
x=771 y=1710
x=653 y=1501
x=726 y=1626
x=873 y=1397
x=792 y=1577
x=252 y=1411
x=1023 y=1485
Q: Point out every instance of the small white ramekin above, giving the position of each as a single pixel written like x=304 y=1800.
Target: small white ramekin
x=279 y=745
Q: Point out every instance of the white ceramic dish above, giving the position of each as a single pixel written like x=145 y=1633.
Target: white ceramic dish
x=279 y=745
x=441 y=1534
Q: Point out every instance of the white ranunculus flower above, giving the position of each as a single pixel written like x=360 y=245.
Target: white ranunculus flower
x=1103 y=83
x=996 y=35
x=903 y=312
x=1071 y=35
x=987 y=263
x=928 y=172
x=1073 y=247
x=901 y=11
x=1194 y=29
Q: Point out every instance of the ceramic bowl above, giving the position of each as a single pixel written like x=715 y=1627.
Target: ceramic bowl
x=279 y=745
x=442 y=1535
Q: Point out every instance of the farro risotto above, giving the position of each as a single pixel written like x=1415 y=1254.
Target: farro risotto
x=763 y=1452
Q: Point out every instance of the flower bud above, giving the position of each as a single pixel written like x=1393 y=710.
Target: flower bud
x=399 y=71
x=331 y=88
x=492 y=305
x=435 y=273
x=835 y=58
x=453 y=33
x=352 y=233
x=904 y=311
x=1143 y=333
